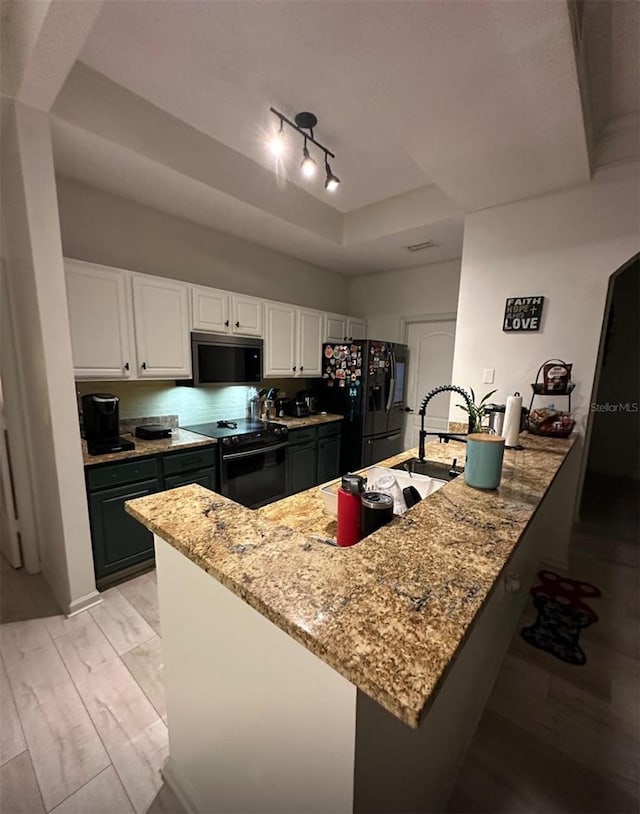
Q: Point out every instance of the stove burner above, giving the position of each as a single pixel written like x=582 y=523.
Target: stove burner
x=232 y=425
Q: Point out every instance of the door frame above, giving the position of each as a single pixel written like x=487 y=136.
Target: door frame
x=413 y=319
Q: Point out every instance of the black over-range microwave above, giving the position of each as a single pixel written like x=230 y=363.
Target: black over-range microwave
x=225 y=359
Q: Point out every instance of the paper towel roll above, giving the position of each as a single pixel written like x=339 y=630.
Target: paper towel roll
x=512 y=417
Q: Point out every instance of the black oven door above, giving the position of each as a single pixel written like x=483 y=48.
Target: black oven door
x=255 y=477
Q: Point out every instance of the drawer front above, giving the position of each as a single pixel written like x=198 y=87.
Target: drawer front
x=198 y=458
x=205 y=477
x=305 y=436
x=329 y=430
x=125 y=472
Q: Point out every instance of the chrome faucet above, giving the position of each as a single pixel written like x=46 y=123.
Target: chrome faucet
x=443 y=436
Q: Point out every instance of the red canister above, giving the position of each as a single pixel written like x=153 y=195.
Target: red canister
x=349 y=509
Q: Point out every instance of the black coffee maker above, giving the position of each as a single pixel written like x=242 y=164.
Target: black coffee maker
x=101 y=419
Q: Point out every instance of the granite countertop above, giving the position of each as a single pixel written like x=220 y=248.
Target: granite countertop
x=389 y=613
x=180 y=439
x=308 y=421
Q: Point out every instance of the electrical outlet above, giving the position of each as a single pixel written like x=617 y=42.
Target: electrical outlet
x=487 y=376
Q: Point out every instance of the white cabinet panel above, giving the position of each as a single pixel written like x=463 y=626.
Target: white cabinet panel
x=280 y=337
x=356 y=328
x=309 y=344
x=335 y=328
x=247 y=315
x=210 y=309
x=100 y=321
x=161 y=311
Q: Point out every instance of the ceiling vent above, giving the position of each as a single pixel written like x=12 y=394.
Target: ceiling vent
x=418 y=247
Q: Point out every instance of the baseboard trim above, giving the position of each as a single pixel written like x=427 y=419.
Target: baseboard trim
x=84 y=603
x=177 y=786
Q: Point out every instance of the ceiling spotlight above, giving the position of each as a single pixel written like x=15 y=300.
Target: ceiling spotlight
x=304 y=124
x=308 y=166
x=277 y=142
x=332 y=181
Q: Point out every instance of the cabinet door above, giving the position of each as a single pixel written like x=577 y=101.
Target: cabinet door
x=100 y=320
x=205 y=477
x=247 y=315
x=279 y=341
x=118 y=540
x=310 y=332
x=302 y=467
x=210 y=309
x=356 y=328
x=335 y=328
x=161 y=313
x=328 y=458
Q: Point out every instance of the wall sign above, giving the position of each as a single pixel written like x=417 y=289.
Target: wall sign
x=523 y=314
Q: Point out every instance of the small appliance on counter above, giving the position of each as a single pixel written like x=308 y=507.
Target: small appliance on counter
x=496 y=417
x=310 y=400
x=298 y=408
x=153 y=431
x=101 y=420
x=283 y=405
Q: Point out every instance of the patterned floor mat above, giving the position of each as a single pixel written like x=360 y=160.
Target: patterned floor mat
x=562 y=616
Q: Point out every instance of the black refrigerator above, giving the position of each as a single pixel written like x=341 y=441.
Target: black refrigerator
x=365 y=381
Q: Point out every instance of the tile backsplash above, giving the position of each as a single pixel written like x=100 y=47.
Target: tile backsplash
x=192 y=404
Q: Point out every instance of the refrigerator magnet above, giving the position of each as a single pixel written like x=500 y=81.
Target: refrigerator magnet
x=341 y=383
x=328 y=351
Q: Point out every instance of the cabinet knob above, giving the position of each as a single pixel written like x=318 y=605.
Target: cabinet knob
x=301 y=368
x=226 y=323
x=237 y=324
x=294 y=368
x=126 y=365
x=144 y=365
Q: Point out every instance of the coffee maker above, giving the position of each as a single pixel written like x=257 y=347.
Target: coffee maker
x=101 y=420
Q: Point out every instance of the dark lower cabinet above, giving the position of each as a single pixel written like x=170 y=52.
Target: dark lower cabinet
x=314 y=456
x=302 y=467
x=118 y=540
x=328 y=458
x=205 y=477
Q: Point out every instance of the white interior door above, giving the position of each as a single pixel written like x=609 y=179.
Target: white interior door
x=9 y=540
x=430 y=365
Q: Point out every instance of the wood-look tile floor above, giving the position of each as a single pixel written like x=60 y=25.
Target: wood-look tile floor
x=559 y=738
x=82 y=714
x=83 y=719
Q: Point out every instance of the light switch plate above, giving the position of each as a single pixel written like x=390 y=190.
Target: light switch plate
x=488 y=375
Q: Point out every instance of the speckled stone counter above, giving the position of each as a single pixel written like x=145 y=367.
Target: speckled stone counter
x=180 y=439
x=308 y=421
x=389 y=613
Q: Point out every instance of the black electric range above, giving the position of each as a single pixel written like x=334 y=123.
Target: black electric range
x=253 y=459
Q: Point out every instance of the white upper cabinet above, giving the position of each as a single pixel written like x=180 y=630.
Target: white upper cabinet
x=335 y=328
x=356 y=328
x=100 y=321
x=309 y=342
x=210 y=309
x=225 y=313
x=280 y=338
x=161 y=313
x=247 y=315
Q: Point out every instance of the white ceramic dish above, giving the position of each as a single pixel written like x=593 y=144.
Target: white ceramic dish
x=424 y=484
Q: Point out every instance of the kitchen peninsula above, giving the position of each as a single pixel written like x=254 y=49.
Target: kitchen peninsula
x=303 y=677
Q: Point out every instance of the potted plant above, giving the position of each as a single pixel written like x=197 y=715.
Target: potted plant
x=476 y=412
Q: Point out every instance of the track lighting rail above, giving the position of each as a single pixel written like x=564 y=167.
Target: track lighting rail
x=306 y=133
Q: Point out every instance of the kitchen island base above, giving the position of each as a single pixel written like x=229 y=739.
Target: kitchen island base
x=257 y=723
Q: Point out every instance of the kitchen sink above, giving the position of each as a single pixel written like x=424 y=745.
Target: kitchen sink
x=432 y=469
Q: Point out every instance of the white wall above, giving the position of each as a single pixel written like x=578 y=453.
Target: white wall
x=35 y=275
x=104 y=228
x=564 y=246
x=384 y=299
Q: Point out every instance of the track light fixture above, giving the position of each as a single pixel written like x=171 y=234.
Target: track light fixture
x=304 y=124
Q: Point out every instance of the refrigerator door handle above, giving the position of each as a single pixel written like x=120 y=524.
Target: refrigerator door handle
x=392 y=381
